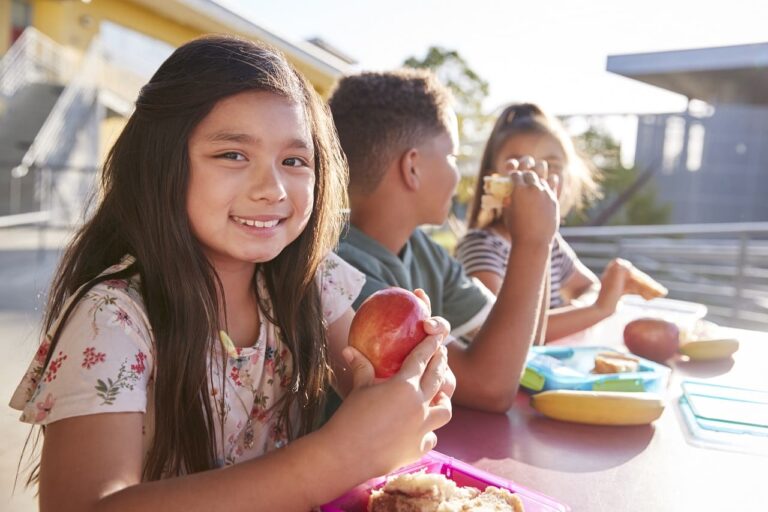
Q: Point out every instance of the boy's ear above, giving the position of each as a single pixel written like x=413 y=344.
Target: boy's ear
x=409 y=170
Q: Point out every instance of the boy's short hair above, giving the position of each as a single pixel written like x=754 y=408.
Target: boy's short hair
x=380 y=115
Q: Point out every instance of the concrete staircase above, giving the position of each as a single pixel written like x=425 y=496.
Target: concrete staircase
x=20 y=121
x=52 y=105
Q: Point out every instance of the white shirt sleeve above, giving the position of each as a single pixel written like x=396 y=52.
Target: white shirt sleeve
x=102 y=362
x=340 y=284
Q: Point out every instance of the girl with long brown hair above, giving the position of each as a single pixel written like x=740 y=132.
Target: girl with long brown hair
x=198 y=317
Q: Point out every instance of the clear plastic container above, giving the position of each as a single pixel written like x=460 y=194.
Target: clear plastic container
x=725 y=417
x=460 y=472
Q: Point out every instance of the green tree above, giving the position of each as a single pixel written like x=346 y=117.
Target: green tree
x=468 y=88
x=641 y=207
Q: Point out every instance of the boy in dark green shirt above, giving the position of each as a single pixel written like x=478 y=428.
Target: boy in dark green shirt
x=399 y=133
x=420 y=264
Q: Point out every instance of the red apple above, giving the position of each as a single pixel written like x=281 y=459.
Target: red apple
x=387 y=326
x=652 y=338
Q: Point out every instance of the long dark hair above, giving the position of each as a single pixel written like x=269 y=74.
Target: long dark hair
x=142 y=212
x=580 y=183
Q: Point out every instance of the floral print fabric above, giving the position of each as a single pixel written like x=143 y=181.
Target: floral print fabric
x=104 y=362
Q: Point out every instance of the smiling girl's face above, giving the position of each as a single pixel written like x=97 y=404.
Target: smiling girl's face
x=252 y=177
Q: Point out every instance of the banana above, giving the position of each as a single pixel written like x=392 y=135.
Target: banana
x=709 y=349
x=599 y=407
x=706 y=341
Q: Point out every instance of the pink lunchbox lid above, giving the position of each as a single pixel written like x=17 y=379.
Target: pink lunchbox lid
x=356 y=500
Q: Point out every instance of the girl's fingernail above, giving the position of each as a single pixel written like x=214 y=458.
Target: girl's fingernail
x=432 y=323
x=348 y=355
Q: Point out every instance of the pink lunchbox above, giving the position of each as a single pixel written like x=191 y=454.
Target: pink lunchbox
x=460 y=472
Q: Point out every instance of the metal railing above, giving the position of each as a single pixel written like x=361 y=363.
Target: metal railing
x=96 y=82
x=34 y=57
x=67 y=115
x=723 y=266
x=55 y=139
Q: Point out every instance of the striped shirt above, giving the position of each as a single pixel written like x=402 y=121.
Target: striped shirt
x=484 y=251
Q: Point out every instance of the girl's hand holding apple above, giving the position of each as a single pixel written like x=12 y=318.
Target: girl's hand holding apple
x=389 y=419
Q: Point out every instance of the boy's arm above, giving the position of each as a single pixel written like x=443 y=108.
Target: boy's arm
x=488 y=370
x=493 y=281
x=543 y=325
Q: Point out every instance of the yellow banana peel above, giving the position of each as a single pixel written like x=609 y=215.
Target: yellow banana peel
x=599 y=407
x=702 y=350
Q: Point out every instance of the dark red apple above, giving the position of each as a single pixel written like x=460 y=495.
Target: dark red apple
x=652 y=338
x=387 y=326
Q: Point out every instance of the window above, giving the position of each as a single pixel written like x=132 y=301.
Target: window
x=695 y=147
x=673 y=143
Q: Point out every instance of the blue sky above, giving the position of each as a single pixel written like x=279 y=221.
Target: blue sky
x=552 y=52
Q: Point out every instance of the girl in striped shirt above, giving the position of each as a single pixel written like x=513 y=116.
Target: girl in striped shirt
x=524 y=137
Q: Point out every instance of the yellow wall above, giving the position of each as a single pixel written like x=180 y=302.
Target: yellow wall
x=73 y=23
x=109 y=130
x=5 y=25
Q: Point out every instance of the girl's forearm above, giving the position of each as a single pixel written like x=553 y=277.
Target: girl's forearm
x=306 y=473
x=569 y=320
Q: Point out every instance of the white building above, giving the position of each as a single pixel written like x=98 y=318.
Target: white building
x=712 y=160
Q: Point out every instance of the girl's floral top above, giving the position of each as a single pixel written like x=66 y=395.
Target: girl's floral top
x=104 y=362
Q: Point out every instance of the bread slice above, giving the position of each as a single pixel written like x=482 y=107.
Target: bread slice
x=497 y=185
x=644 y=285
x=496 y=189
x=429 y=492
x=615 y=362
